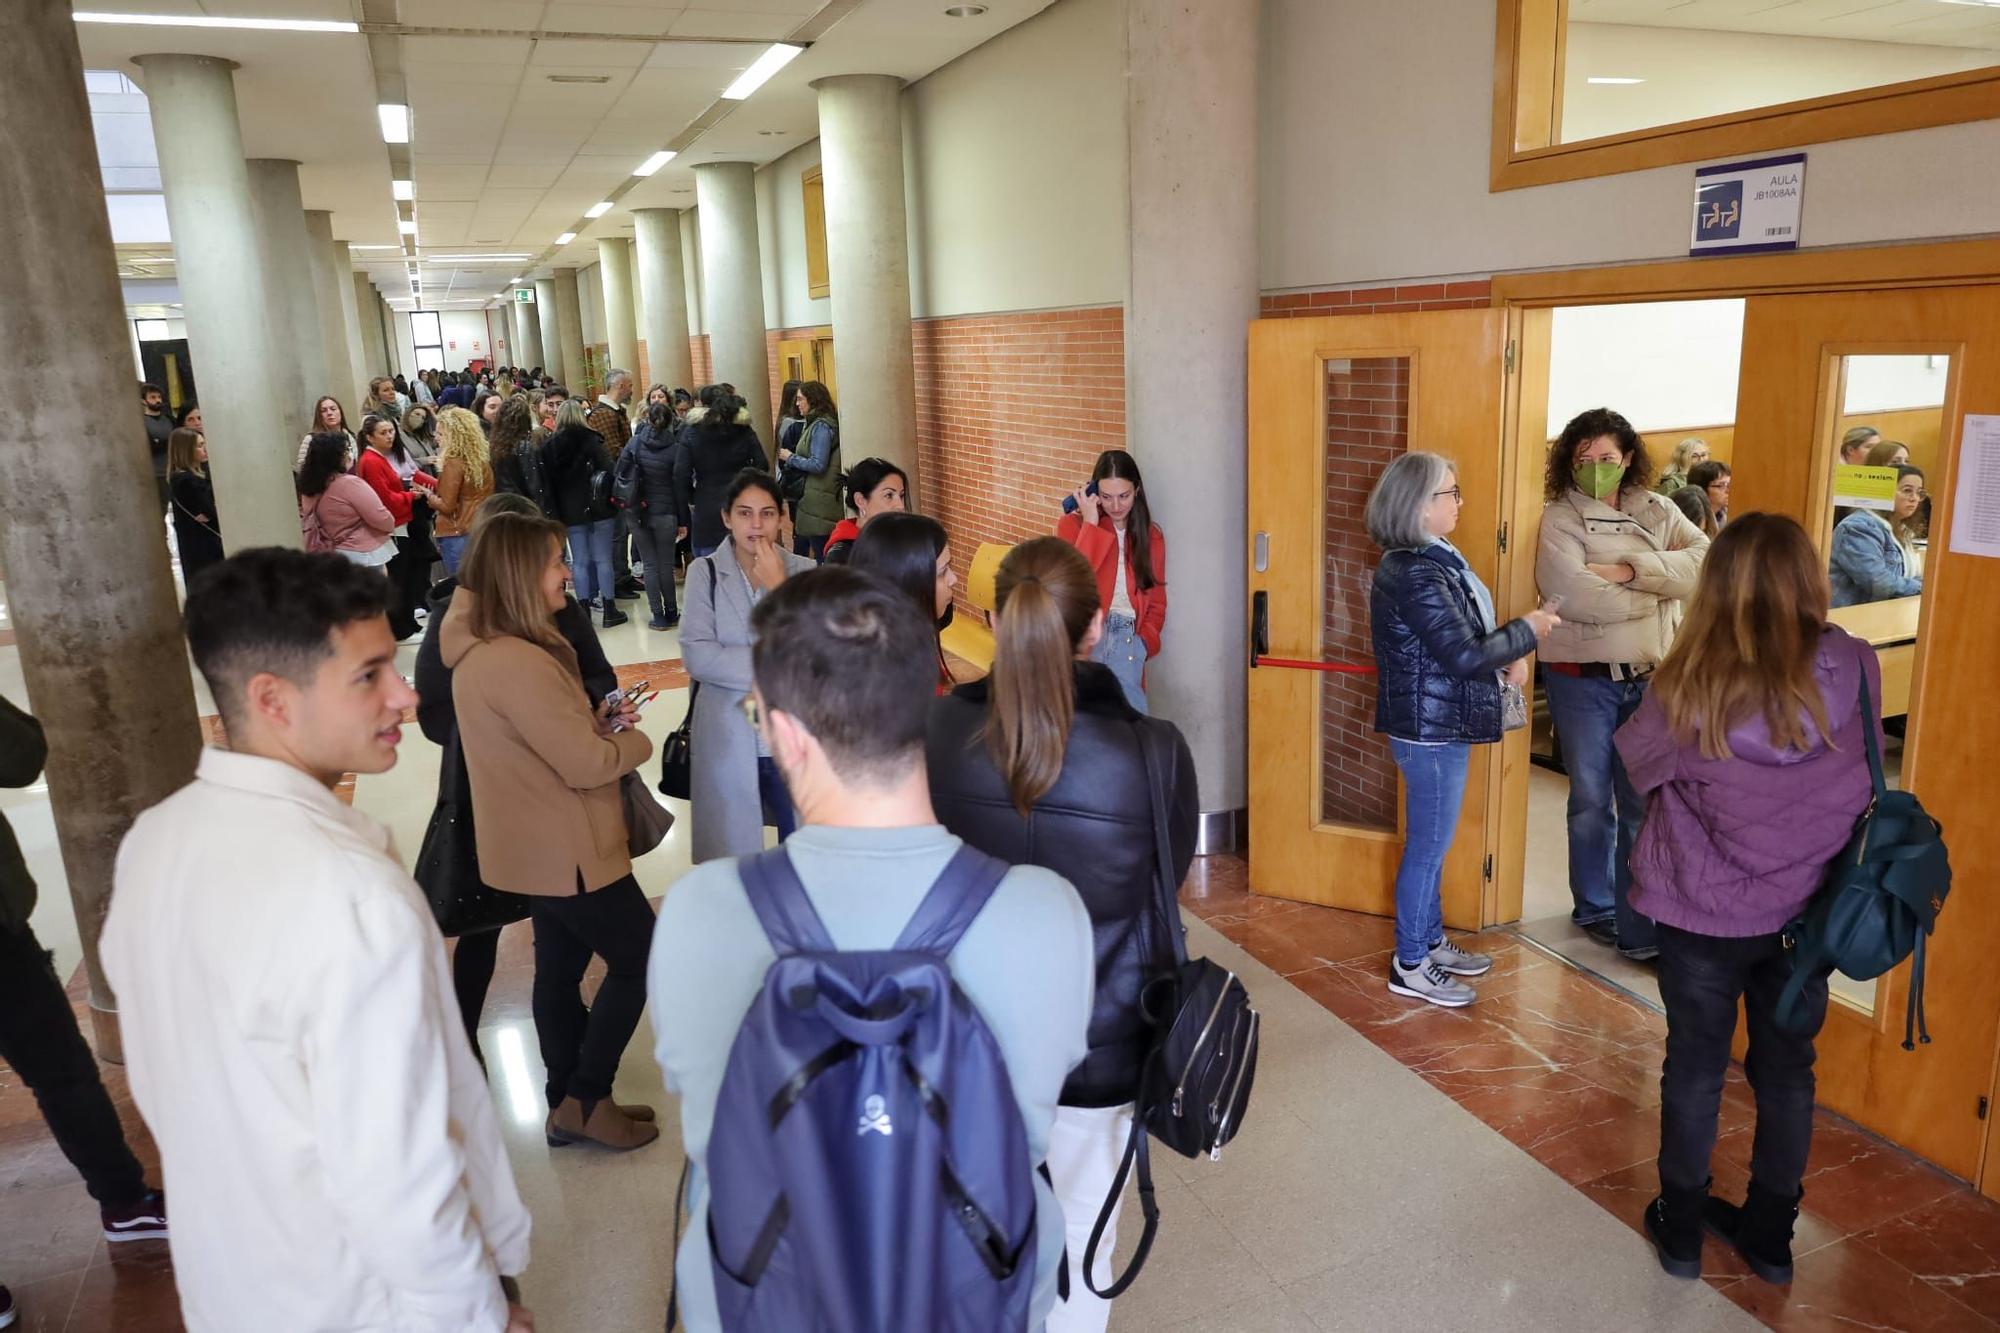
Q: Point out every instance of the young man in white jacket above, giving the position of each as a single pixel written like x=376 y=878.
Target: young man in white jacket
x=288 y=1018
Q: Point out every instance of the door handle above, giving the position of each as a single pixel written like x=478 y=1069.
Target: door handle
x=1263 y=556
x=1260 y=625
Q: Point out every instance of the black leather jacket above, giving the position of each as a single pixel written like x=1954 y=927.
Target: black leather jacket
x=1095 y=828
x=1439 y=671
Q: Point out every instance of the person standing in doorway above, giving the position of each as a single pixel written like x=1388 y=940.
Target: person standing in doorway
x=159 y=428
x=289 y=1030
x=1442 y=659
x=1619 y=561
x=1115 y=531
x=1751 y=749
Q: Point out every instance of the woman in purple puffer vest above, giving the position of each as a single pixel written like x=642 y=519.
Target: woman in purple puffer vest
x=1750 y=753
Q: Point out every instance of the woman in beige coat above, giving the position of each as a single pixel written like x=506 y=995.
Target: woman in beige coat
x=1618 y=561
x=545 y=766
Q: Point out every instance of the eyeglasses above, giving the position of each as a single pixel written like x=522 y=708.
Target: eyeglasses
x=1455 y=493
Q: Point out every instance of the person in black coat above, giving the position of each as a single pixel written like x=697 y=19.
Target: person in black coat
x=197 y=530
x=473 y=960
x=720 y=444
x=1045 y=763
x=572 y=460
x=659 y=513
x=1442 y=661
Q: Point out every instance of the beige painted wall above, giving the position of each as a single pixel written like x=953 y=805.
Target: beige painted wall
x=782 y=234
x=1374 y=159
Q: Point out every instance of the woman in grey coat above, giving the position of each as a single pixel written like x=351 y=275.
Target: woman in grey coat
x=733 y=779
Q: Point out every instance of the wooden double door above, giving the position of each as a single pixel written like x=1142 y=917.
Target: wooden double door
x=1333 y=400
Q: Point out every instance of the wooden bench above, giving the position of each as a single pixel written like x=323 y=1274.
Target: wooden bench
x=971 y=637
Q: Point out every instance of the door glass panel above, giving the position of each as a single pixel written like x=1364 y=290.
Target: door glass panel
x=1888 y=458
x=1367 y=426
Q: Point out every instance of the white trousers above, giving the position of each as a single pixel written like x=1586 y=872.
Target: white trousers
x=1085 y=1146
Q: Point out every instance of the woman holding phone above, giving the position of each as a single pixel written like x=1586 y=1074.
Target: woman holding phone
x=1114 y=529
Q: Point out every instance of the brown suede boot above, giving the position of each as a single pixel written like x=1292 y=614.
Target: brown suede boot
x=601 y=1123
x=638 y=1111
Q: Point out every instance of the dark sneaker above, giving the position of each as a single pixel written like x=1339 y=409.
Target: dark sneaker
x=144 y=1220
x=1605 y=932
x=7 y=1311
x=658 y=624
x=1645 y=953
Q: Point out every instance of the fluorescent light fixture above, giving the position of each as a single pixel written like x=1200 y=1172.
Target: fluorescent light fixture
x=395 y=118
x=1979 y=4
x=513 y=282
x=407 y=226
x=209 y=21
x=598 y=210
x=402 y=189
x=1619 y=83
x=776 y=56
x=473 y=259
x=566 y=238
x=655 y=162
x=374 y=247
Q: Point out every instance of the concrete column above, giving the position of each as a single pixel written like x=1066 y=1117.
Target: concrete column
x=327 y=285
x=528 y=331
x=1191 y=90
x=286 y=248
x=621 y=330
x=99 y=632
x=658 y=247
x=350 y=319
x=868 y=262
x=233 y=331
x=569 y=327
x=691 y=263
x=733 y=285
x=545 y=318
x=368 y=305
x=392 y=344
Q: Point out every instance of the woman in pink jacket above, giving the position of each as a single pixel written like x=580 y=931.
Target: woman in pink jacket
x=1114 y=529
x=338 y=511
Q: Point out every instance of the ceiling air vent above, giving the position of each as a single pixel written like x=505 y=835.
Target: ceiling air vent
x=579 y=78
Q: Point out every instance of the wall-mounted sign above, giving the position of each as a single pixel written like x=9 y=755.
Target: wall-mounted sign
x=1856 y=486
x=1748 y=207
x=1975 y=512
x=525 y=295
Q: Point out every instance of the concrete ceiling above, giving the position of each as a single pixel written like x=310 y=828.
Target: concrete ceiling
x=1919 y=22
x=525 y=113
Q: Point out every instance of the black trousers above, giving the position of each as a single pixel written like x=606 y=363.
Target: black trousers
x=1701 y=979
x=621 y=548
x=473 y=959
x=39 y=1038
x=409 y=584
x=581 y=1045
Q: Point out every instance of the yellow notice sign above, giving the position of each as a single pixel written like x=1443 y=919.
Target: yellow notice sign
x=1856 y=487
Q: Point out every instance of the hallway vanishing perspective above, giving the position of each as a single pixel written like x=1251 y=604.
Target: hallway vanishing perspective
x=884 y=665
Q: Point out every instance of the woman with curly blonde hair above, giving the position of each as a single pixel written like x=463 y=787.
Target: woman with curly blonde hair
x=467 y=479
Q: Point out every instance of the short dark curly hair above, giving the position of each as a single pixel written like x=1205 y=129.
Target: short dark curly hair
x=1581 y=430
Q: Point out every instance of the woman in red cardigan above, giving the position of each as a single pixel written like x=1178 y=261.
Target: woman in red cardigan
x=410 y=571
x=1115 y=531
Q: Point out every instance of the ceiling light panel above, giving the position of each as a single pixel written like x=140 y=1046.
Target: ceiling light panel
x=211 y=21
x=598 y=210
x=776 y=56
x=654 y=163
x=395 y=119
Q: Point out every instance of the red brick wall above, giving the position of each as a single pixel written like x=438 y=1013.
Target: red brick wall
x=1012 y=411
x=1367 y=426
x=1380 y=300
x=704 y=363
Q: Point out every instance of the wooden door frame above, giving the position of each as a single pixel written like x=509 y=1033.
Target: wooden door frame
x=1529 y=299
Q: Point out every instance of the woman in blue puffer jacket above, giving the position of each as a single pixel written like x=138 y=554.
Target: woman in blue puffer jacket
x=1441 y=659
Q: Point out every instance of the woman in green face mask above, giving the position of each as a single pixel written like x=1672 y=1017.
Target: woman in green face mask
x=1619 y=560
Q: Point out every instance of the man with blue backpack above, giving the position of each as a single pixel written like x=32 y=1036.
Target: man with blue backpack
x=870 y=1026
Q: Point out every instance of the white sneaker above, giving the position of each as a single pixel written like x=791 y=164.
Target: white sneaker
x=1450 y=958
x=1427 y=981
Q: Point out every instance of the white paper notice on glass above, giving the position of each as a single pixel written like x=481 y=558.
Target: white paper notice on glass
x=1975 y=512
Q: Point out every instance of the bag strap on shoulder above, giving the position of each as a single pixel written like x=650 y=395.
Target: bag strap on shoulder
x=1168 y=892
x=960 y=894
x=1136 y=1145
x=1874 y=746
x=781 y=904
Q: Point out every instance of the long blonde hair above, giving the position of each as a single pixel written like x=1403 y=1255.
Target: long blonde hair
x=459 y=436
x=503 y=568
x=1750 y=643
x=1047 y=596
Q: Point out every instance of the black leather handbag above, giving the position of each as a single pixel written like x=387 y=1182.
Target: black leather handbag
x=677 y=751
x=447 y=867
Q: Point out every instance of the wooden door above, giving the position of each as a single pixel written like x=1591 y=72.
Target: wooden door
x=1796 y=353
x=1332 y=402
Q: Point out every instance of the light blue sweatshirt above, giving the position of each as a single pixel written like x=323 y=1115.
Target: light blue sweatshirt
x=1027 y=962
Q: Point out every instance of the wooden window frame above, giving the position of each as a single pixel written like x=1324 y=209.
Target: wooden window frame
x=1529 y=51
x=812 y=191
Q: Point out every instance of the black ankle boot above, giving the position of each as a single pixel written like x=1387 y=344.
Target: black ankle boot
x=1761 y=1230
x=1673 y=1221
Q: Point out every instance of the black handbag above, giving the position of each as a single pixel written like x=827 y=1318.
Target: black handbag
x=1195 y=1083
x=447 y=867
x=677 y=751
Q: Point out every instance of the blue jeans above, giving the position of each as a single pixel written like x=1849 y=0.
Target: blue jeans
x=700 y=552
x=590 y=561
x=1433 y=791
x=1604 y=811
x=1124 y=652
x=451 y=550
x=777 y=798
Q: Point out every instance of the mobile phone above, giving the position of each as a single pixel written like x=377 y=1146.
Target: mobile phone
x=1069 y=501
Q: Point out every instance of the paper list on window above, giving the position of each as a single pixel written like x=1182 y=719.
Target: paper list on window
x=1975 y=514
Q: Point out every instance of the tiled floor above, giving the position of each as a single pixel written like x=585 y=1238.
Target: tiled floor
x=1567 y=1068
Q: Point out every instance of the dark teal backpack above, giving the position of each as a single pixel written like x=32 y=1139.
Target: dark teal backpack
x=1881 y=898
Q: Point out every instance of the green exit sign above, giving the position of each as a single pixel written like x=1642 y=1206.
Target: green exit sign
x=525 y=295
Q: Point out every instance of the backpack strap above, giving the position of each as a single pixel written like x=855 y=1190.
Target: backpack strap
x=1874 y=746
x=1136 y=1145
x=958 y=896
x=781 y=904
x=1169 y=893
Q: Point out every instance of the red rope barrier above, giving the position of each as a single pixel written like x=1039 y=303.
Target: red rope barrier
x=1336 y=668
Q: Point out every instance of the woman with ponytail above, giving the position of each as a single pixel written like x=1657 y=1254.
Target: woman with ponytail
x=1045 y=763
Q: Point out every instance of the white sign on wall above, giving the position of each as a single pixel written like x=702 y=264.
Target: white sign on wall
x=1748 y=207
